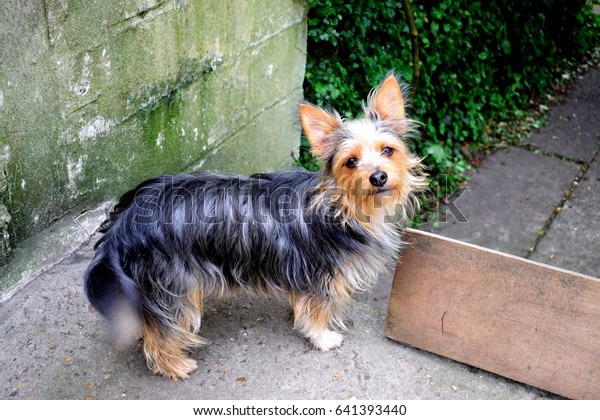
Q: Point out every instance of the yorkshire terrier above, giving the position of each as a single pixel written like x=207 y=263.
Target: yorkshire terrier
x=313 y=238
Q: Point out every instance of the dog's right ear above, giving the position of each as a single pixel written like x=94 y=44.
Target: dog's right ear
x=319 y=126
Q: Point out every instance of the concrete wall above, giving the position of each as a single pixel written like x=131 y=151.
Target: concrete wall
x=97 y=95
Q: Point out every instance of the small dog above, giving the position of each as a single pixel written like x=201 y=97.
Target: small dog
x=313 y=238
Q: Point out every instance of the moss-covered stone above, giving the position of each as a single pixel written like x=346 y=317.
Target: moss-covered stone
x=4 y=235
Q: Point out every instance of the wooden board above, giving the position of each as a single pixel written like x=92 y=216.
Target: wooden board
x=520 y=319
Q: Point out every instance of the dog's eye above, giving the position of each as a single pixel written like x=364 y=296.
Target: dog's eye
x=351 y=163
x=387 y=151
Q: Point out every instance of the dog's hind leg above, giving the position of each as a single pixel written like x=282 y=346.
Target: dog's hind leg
x=312 y=317
x=165 y=348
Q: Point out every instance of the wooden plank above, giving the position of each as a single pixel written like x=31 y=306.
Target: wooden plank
x=517 y=318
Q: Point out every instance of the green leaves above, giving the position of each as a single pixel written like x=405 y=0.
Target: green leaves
x=436 y=151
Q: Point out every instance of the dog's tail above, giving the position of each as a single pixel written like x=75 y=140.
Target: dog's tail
x=113 y=293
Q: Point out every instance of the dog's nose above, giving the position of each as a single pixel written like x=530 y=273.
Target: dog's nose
x=378 y=178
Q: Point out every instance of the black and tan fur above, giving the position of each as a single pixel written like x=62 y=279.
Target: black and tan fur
x=312 y=238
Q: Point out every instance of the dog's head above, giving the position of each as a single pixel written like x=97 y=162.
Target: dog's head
x=367 y=160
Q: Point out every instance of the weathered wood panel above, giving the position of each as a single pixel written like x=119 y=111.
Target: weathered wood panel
x=520 y=319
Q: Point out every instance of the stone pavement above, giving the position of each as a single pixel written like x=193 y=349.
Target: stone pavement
x=539 y=201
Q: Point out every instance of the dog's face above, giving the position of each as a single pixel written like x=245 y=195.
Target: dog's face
x=367 y=158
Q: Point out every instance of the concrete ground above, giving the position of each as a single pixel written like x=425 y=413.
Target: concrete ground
x=538 y=200
x=55 y=347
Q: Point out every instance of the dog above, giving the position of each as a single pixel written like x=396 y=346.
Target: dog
x=315 y=238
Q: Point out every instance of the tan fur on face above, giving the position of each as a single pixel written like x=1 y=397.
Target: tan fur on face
x=385 y=125
x=361 y=199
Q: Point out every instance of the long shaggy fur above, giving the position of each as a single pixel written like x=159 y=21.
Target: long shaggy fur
x=176 y=239
x=229 y=233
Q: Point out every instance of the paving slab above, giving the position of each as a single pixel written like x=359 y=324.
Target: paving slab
x=55 y=347
x=573 y=240
x=572 y=129
x=509 y=199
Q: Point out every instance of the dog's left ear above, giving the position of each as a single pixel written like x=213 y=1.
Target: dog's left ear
x=387 y=100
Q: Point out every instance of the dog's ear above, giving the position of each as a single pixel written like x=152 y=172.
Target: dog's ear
x=319 y=126
x=387 y=100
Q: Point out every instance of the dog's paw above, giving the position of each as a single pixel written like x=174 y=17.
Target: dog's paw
x=328 y=340
x=175 y=369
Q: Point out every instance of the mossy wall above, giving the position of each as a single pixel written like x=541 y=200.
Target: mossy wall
x=98 y=95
